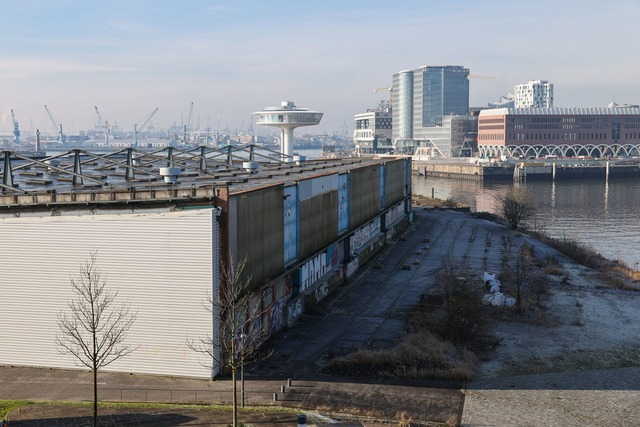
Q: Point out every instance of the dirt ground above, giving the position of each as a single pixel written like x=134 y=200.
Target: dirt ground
x=585 y=325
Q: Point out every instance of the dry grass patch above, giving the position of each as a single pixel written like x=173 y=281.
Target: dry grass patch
x=418 y=356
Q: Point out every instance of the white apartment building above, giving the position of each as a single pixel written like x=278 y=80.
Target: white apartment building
x=372 y=134
x=536 y=94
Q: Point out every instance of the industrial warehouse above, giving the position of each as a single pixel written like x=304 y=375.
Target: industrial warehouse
x=163 y=223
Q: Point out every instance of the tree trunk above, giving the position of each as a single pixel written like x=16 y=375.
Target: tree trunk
x=235 y=397
x=95 y=396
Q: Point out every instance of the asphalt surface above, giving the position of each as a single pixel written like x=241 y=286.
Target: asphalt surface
x=369 y=310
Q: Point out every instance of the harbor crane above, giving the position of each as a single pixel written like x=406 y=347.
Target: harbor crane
x=103 y=126
x=135 y=127
x=62 y=138
x=16 y=129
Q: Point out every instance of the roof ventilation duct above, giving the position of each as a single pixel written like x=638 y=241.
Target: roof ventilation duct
x=170 y=174
x=250 y=166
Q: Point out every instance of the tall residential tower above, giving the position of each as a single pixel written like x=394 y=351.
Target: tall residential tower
x=536 y=94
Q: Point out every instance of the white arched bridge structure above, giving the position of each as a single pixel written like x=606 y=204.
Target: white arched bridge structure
x=561 y=150
x=563 y=132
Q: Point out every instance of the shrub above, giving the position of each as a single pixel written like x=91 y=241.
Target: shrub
x=418 y=356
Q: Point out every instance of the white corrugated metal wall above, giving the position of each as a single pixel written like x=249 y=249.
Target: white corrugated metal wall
x=162 y=263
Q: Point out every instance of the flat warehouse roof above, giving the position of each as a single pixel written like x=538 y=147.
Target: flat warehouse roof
x=81 y=176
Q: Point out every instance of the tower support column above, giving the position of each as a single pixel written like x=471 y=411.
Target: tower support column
x=287 y=144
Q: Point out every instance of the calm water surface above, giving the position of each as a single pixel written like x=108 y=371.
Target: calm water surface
x=605 y=216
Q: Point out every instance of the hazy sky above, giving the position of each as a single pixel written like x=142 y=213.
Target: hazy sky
x=232 y=58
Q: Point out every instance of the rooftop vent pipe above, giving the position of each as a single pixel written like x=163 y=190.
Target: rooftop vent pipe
x=170 y=174
x=250 y=166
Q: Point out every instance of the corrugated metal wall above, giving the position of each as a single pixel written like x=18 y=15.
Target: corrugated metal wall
x=395 y=182
x=162 y=264
x=318 y=222
x=383 y=187
x=259 y=231
x=364 y=192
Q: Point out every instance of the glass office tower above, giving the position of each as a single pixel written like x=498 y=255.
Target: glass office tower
x=443 y=91
x=421 y=98
x=402 y=105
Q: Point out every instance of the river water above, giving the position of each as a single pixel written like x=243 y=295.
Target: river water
x=603 y=215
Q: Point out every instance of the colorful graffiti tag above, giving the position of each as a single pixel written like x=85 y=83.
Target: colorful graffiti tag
x=277 y=317
x=313 y=270
x=294 y=310
x=363 y=234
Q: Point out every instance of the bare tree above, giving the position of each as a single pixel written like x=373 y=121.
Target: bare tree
x=239 y=315
x=463 y=314
x=525 y=284
x=515 y=206
x=95 y=329
x=520 y=276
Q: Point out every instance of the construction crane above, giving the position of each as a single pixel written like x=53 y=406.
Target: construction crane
x=61 y=136
x=103 y=126
x=382 y=89
x=16 y=129
x=135 y=127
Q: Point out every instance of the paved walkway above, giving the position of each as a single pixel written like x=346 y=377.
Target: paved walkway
x=599 y=398
x=376 y=400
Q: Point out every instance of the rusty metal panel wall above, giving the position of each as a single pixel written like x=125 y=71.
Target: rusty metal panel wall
x=259 y=230
x=395 y=181
x=318 y=223
x=364 y=195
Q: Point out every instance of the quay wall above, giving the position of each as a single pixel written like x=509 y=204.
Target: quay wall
x=464 y=171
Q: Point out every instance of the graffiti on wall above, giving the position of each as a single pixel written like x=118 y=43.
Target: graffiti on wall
x=321 y=291
x=343 y=203
x=393 y=215
x=294 y=310
x=277 y=317
x=288 y=285
x=312 y=270
x=333 y=255
x=352 y=267
x=363 y=234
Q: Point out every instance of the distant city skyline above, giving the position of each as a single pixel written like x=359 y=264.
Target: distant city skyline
x=231 y=59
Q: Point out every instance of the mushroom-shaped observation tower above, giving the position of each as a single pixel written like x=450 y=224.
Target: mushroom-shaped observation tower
x=287 y=117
